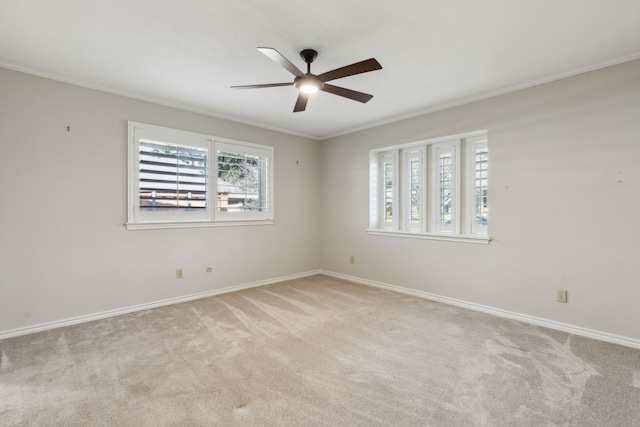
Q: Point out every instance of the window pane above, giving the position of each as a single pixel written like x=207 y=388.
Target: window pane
x=172 y=177
x=241 y=182
x=387 y=168
x=481 y=186
x=446 y=176
x=415 y=184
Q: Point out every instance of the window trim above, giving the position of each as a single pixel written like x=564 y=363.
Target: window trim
x=139 y=220
x=463 y=238
x=463 y=224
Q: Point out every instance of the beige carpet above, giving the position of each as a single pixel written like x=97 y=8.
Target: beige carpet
x=315 y=352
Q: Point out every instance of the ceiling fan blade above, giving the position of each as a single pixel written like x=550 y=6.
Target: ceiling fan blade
x=301 y=102
x=350 y=70
x=275 y=56
x=261 y=86
x=347 y=93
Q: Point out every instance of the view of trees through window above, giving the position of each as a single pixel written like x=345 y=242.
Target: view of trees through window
x=240 y=182
x=446 y=188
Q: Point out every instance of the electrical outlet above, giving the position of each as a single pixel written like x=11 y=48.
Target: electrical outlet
x=561 y=295
x=179 y=273
x=352 y=260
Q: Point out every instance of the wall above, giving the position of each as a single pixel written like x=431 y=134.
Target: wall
x=64 y=251
x=565 y=195
x=564 y=205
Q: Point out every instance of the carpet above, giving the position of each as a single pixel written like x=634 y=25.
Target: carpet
x=316 y=351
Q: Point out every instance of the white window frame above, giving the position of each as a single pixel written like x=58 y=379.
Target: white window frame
x=141 y=219
x=462 y=226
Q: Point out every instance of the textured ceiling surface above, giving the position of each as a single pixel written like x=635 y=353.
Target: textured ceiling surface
x=433 y=53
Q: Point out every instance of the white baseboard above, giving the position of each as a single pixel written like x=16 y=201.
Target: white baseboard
x=146 y=306
x=576 y=330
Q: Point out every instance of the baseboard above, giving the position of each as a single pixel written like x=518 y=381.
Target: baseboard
x=576 y=330
x=117 y=312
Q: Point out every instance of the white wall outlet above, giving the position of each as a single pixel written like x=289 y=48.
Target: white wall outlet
x=179 y=273
x=352 y=259
x=561 y=295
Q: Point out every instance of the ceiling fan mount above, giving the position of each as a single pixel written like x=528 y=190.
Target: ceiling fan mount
x=308 y=83
x=308 y=55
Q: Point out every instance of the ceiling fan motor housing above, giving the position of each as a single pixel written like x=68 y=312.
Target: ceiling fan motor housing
x=308 y=81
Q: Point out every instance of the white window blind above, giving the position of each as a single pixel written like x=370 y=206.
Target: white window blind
x=172 y=177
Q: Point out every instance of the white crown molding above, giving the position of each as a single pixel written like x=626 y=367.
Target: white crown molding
x=572 y=329
x=432 y=109
x=156 y=101
x=490 y=94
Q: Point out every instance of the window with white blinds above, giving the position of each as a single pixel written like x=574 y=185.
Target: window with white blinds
x=171 y=179
x=442 y=193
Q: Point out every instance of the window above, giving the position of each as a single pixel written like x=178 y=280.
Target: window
x=436 y=189
x=184 y=179
x=388 y=167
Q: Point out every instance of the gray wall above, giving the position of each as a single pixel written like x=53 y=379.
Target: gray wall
x=64 y=251
x=564 y=188
x=564 y=204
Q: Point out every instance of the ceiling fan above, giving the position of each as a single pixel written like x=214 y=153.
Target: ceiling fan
x=308 y=83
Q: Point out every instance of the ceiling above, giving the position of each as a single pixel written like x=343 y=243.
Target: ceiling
x=434 y=53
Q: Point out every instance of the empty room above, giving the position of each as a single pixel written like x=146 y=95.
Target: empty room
x=292 y=213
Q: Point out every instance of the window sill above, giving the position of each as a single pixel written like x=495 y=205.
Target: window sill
x=193 y=224
x=461 y=238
